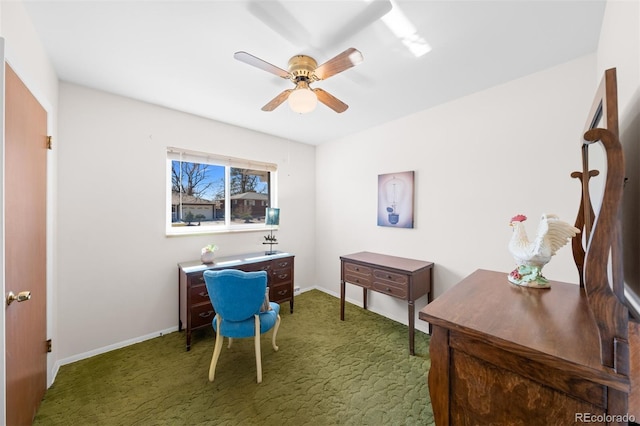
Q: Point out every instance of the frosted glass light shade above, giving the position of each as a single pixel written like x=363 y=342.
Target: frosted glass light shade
x=302 y=100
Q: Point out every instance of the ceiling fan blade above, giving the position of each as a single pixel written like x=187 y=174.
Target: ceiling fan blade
x=275 y=102
x=345 y=60
x=277 y=17
x=374 y=11
x=259 y=63
x=331 y=101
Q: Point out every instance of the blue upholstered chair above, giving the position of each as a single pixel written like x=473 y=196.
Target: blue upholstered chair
x=237 y=299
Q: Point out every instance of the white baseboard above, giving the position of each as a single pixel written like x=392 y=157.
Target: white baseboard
x=139 y=339
x=105 y=349
x=89 y=354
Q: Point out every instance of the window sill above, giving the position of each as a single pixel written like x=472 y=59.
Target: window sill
x=197 y=230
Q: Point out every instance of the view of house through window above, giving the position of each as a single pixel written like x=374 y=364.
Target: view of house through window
x=209 y=194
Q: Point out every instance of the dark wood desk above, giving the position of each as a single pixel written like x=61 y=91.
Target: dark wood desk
x=195 y=310
x=504 y=354
x=406 y=279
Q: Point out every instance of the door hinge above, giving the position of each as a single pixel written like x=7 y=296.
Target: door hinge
x=49 y=143
x=49 y=345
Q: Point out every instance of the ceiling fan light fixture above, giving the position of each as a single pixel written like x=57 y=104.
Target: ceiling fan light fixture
x=302 y=100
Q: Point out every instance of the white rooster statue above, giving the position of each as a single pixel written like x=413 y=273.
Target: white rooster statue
x=531 y=256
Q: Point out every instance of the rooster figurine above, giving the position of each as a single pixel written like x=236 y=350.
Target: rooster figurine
x=531 y=256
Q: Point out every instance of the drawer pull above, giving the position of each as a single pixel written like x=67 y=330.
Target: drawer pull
x=203 y=294
x=357 y=280
x=357 y=269
x=282 y=292
x=205 y=314
x=388 y=289
x=389 y=277
x=283 y=276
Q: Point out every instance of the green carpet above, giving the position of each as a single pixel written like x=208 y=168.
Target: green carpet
x=327 y=372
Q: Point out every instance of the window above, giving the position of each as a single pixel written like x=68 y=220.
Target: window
x=212 y=193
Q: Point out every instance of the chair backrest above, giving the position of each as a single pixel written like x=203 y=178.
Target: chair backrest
x=236 y=295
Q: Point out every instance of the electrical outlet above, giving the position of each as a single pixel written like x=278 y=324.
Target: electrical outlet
x=296 y=290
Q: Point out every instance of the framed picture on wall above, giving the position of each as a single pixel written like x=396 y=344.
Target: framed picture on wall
x=395 y=199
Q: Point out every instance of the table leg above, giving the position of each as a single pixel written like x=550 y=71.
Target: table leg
x=412 y=321
x=364 y=298
x=341 y=300
x=429 y=300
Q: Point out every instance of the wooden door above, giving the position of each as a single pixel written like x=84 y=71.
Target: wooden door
x=25 y=250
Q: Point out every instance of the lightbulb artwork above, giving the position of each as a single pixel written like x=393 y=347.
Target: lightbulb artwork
x=395 y=199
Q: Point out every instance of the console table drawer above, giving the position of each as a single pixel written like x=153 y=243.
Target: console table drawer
x=390 y=288
x=357 y=274
x=391 y=277
x=361 y=280
x=390 y=283
x=354 y=268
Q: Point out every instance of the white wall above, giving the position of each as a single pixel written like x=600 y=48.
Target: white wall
x=478 y=161
x=118 y=276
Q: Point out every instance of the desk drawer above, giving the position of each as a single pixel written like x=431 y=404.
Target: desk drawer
x=259 y=266
x=278 y=276
x=201 y=315
x=198 y=294
x=195 y=278
x=281 y=292
x=282 y=263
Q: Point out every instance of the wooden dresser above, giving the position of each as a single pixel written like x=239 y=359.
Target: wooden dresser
x=505 y=354
x=195 y=310
x=406 y=279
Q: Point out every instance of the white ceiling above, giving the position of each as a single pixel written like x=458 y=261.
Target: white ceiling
x=179 y=54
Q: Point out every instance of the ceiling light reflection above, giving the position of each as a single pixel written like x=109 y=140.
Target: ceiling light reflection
x=404 y=30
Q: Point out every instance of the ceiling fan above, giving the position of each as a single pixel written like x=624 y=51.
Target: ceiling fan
x=303 y=71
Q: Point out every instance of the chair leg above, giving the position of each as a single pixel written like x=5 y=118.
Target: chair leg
x=275 y=332
x=216 y=351
x=257 y=344
x=230 y=341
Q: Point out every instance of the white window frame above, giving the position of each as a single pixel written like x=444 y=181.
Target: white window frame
x=228 y=162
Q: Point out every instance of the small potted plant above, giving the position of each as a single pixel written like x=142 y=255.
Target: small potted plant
x=207 y=253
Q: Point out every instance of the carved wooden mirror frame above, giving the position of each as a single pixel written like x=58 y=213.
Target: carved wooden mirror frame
x=600 y=264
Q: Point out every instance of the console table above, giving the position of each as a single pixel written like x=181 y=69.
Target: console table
x=406 y=279
x=195 y=310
